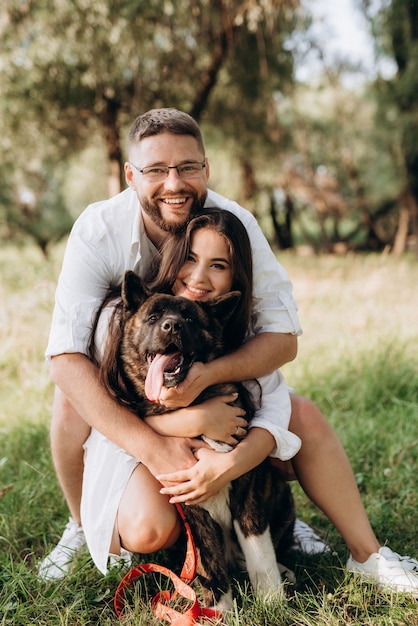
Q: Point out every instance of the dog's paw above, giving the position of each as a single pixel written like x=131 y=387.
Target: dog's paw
x=287 y=573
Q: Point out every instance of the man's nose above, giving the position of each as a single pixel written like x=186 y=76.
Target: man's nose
x=173 y=179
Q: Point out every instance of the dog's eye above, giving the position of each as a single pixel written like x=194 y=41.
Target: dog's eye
x=190 y=319
x=153 y=318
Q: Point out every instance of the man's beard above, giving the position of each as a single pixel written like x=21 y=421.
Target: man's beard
x=151 y=208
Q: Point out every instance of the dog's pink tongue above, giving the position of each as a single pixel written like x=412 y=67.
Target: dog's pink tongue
x=155 y=377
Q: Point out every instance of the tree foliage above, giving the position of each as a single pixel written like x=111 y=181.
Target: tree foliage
x=395 y=29
x=73 y=68
x=82 y=64
x=349 y=180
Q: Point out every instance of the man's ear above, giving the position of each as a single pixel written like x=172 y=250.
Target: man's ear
x=129 y=175
x=207 y=169
x=134 y=292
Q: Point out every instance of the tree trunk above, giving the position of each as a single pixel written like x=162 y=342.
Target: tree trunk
x=399 y=244
x=109 y=119
x=281 y=215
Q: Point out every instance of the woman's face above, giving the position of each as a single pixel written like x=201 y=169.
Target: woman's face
x=207 y=272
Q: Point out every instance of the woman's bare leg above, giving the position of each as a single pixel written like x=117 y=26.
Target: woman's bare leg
x=146 y=521
x=325 y=474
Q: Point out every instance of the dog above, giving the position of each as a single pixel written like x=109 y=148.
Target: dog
x=160 y=337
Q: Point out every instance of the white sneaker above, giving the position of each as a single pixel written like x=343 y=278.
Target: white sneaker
x=58 y=562
x=388 y=570
x=407 y=561
x=306 y=540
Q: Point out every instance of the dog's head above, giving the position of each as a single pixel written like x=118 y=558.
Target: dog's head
x=164 y=335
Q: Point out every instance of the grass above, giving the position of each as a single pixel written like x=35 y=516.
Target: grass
x=357 y=359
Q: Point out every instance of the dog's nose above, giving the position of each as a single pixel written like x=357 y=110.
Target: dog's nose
x=171 y=325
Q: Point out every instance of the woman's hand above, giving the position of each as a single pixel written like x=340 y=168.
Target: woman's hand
x=213 y=469
x=218 y=419
x=198 y=483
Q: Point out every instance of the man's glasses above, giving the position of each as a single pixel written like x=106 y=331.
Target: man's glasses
x=156 y=173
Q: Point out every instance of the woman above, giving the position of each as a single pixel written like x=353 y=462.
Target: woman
x=123 y=505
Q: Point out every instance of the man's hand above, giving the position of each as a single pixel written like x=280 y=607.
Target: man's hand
x=173 y=454
x=258 y=356
x=185 y=393
x=213 y=469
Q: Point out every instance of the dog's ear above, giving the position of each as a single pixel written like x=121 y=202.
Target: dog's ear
x=223 y=307
x=134 y=292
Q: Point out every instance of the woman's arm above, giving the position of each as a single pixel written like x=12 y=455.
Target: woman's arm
x=273 y=411
x=216 y=418
x=213 y=469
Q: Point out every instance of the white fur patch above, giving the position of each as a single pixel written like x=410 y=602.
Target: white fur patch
x=262 y=566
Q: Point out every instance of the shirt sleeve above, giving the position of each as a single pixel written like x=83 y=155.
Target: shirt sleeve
x=271 y=396
x=97 y=254
x=82 y=286
x=275 y=309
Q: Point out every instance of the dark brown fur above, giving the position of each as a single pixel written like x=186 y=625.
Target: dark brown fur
x=259 y=500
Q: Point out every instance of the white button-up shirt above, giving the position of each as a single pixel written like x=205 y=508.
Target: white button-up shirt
x=109 y=238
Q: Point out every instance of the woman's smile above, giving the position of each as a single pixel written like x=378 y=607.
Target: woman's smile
x=205 y=276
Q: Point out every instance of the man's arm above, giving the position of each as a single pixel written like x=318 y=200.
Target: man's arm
x=260 y=355
x=78 y=379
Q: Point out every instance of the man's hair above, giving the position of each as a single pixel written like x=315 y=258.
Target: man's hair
x=167 y=120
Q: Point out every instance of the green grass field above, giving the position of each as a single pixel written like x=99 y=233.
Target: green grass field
x=357 y=359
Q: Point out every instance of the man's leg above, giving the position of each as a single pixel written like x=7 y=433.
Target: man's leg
x=68 y=433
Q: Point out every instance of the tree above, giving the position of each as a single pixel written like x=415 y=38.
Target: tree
x=395 y=28
x=77 y=67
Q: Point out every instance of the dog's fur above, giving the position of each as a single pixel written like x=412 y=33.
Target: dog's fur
x=256 y=510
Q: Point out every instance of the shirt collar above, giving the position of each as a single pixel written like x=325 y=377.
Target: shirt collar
x=142 y=248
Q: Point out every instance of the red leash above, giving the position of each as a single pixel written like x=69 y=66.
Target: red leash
x=160 y=603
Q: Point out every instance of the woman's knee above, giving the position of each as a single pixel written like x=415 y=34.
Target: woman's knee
x=146 y=521
x=146 y=534
x=306 y=420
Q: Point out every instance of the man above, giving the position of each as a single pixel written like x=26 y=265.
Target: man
x=167 y=175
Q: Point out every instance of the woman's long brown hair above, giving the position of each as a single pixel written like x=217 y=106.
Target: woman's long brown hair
x=176 y=251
